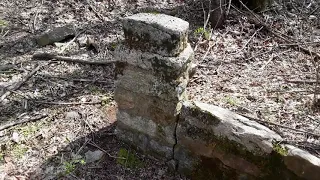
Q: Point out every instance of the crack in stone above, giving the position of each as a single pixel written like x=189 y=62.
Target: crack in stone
x=176 y=141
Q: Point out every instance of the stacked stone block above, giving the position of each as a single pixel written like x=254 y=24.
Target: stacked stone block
x=154 y=65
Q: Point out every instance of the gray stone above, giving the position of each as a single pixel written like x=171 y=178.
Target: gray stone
x=56 y=35
x=158 y=33
x=92 y=156
x=72 y=115
x=302 y=163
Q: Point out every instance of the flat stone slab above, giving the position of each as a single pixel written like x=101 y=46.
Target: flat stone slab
x=158 y=33
x=56 y=35
x=224 y=123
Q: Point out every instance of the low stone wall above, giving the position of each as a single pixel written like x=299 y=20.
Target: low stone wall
x=200 y=140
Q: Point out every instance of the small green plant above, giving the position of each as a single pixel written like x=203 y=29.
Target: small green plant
x=70 y=167
x=202 y=31
x=128 y=159
x=3 y=23
x=105 y=100
x=1 y=157
x=95 y=90
x=280 y=149
x=19 y=151
x=113 y=46
x=232 y=101
x=29 y=130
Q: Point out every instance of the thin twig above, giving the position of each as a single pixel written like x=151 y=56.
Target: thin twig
x=256 y=55
x=301 y=81
x=280 y=125
x=81 y=80
x=304 y=43
x=19 y=84
x=68 y=44
x=53 y=57
x=95 y=145
x=317 y=83
x=245 y=45
x=35 y=18
x=6 y=126
x=270 y=59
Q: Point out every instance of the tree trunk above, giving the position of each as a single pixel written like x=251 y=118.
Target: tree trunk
x=217 y=13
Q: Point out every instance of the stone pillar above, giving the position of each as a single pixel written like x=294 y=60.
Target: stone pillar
x=153 y=71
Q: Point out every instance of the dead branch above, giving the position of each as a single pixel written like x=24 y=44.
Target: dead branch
x=67 y=103
x=280 y=125
x=245 y=45
x=6 y=126
x=19 y=84
x=53 y=57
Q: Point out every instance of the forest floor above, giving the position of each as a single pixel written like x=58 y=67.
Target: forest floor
x=264 y=70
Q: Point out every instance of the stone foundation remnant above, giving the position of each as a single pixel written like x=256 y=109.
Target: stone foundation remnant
x=202 y=141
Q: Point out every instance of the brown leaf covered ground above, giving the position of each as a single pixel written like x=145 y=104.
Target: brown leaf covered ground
x=243 y=67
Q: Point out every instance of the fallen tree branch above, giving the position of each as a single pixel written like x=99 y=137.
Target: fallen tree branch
x=67 y=103
x=53 y=57
x=280 y=125
x=80 y=80
x=6 y=126
x=19 y=84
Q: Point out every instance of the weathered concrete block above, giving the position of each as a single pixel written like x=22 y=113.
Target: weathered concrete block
x=141 y=124
x=153 y=146
x=157 y=33
x=143 y=82
x=151 y=107
x=167 y=68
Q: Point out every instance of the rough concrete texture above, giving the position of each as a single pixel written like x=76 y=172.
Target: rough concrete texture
x=160 y=111
x=157 y=33
x=169 y=68
x=154 y=146
x=141 y=82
